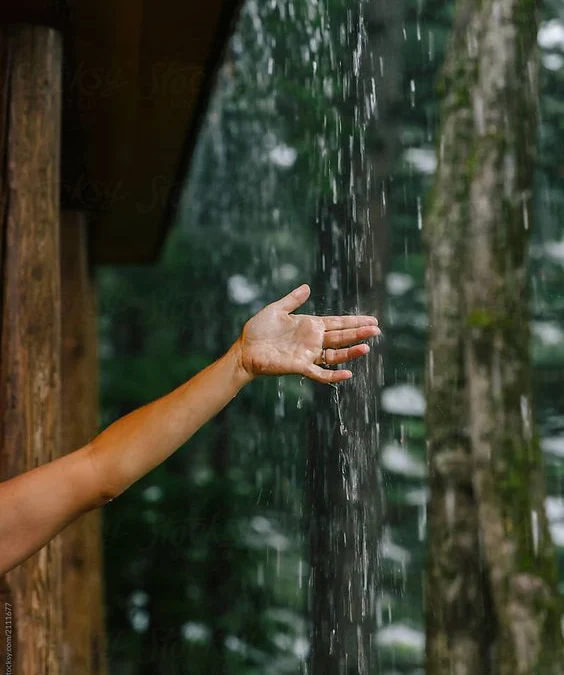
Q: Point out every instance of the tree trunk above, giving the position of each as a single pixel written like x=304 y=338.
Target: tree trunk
x=508 y=467
x=31 y=331
x=345 y=500
x=479 y=391
x=83 y=615
x=345 y=486
x=456 y=595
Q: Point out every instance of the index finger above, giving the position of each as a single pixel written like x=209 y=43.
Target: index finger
x=345 y=321
x=294 y=299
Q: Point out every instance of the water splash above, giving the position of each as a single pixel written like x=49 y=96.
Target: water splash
x=300 y=403
x=279 y=409
x=337 y=401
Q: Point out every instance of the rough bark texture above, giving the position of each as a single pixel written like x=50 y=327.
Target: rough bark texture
x=456 y=595
x=478 y=386
x=83 y=614
x=346 y=491
x=31 y=332
x=508 y=472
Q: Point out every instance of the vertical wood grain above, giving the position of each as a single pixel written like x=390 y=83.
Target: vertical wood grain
x=31 y=330
x=83 y=618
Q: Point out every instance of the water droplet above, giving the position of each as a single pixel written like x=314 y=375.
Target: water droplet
x=279 y=409
x=535 y=530
x=419 y=214
x=342 y=427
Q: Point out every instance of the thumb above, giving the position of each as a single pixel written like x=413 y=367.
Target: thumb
x=294 y=299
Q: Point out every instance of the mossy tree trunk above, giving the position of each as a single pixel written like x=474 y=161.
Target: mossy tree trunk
x=492 y=600
x=456 y=594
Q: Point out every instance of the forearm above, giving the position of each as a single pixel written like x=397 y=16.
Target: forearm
x=138 y=442
x=39 y=503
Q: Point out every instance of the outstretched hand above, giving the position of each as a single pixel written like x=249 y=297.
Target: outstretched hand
x=276 y=342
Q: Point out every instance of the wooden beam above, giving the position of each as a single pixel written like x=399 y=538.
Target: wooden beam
x=138 y=77
x=30 y=322
x=36 y=12
x=83 y=616
x=143 y=74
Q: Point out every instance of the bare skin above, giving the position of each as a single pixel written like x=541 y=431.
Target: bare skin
x=39 y=503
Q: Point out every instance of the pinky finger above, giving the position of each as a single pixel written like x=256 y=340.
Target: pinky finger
x=326 y=376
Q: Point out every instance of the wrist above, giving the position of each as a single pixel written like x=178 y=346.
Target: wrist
x=241 y=374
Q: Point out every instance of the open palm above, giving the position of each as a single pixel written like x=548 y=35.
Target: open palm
x=276 y=342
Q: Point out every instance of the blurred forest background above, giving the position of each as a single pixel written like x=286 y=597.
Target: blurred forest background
x=207 y=560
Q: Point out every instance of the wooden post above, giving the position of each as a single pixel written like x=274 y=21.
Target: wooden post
x=30 y=98
x=83 y=619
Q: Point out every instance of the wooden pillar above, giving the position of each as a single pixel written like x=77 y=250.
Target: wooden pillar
x=30 y=112
x=83 y=619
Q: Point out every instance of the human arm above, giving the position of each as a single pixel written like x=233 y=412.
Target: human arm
x=36 y=505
